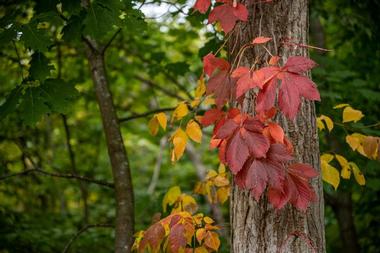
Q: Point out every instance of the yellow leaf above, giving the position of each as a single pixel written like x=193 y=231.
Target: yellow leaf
x=346 y=170
x=371 y=146
x=208 y=220
x=329 y=173
x=209 y=101
x=201 y=88
x=200 y=250
x=195 y=102
x=223 y=193
x=350 y=114
x=359 y=177
x=200 y=234
x=327 y=158
x=211 y=174
x=189 y=204
x=355 y=140
x=198 y=218
x=194 y=131
x=179 y=139
x=340 y=106
x=320 y=124
x=153 y=126
x=180 y=111
x=212 y=240
x=161 y=118
x=220 y=181
x=171 y=197
x=222 y=168
x=329 y=123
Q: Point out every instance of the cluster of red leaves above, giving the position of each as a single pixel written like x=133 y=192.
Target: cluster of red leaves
x=258 y=155
x=293 y=85
x=176 y=233
x=227 y=14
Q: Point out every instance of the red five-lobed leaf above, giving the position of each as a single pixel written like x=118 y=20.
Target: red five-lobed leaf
x=247 y=80
x=293 y=86
x=227 y=15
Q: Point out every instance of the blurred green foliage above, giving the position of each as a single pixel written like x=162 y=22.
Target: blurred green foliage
x=44 y=73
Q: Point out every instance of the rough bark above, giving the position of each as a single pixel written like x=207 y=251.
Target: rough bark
x=256 y=226
x=124 y=227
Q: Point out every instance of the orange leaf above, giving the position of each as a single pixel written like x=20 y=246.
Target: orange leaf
x=261 y=40
x=212 y=240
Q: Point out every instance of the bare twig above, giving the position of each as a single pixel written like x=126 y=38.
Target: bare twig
x=145 y=114
x=54 y=174
x=160 y=88
x=81 y=231
x=104 y=48
x=157 y=167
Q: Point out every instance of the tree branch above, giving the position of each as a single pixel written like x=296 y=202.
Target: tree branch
x=81 y=231
x=145 y=114
x=104 y=48
x=54 y=174
x=156 y=86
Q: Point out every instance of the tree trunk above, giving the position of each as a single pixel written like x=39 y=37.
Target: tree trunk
x=256 y=226
x=124 y=227
x=341 y=203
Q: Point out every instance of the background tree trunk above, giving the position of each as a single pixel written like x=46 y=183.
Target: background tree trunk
x=124 y=227
x=257 y=227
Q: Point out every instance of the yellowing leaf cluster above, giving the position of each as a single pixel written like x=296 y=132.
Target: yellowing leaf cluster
x=180 y=138
x=322 y=120
x=368 y=146
x=349 y=113
x=216 y=186
x=157 y=120
x=331 y=175
x=179 y=201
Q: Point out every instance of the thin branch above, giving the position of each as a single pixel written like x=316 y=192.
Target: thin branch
x=54 y=174
x=18 y=60
x=81 y=231
x=157 y=167
x=104 y=48
x=145 y=114
x=156 y=86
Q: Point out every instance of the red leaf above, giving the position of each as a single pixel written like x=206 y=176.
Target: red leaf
x=202 y=5
x=152 y=237
x=237 y=153
x=258 y=144
x=211 y=117
x=176 y=238
x=227 y=129
x=299 y=64
x=247 y=80
x=302 y=170
x=211 y=63
x=228 y=15
x=261 y=40
x=293 y=86
x=278 y=198
x=278 y=153
x=222 y=86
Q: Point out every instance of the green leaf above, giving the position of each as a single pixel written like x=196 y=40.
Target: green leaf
x=58 y=94
x=7 y=35
x=72 y=32
x=35 y=38
x=33 y=106
x=101 y=16
x=73 y=7
x=40 y=67
x=11 y=102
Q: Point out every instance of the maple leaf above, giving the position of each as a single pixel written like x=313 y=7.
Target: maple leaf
x=247 y=80
x=293 y=86
x=227 y=15
x=202 y=5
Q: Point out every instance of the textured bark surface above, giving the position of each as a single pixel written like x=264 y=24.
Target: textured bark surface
x=257 y=227
x=124 y=227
